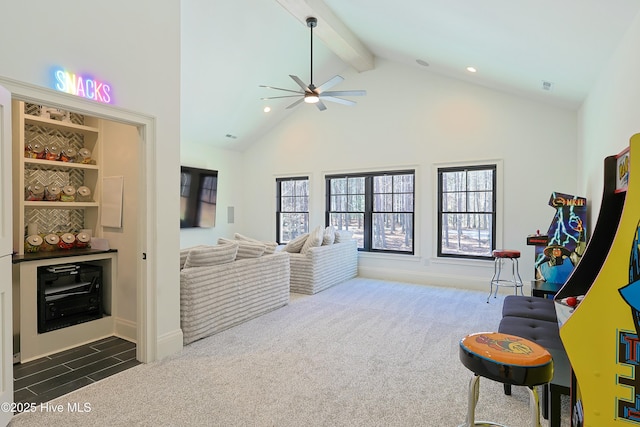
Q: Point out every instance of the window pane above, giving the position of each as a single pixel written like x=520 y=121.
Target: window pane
x=453 y=181
x=356 y=185
x=403 y=184
x=383 y=184
x=353 y=222
x=466 y=234
x=339 y=186
x=403 y=202
x=356 y=203
x=293 y=225
x=480 y=180
x=339 y=203
x=382 y=202
x=480 y=202
x=286 y=188
x=393 y=232
x=302 y=204
x=302 y=188
x=454 y=202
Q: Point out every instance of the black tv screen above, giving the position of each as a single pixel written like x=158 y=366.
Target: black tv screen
x=198 y=194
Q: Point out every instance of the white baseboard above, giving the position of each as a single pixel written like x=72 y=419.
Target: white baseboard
x=424 y=278
x=169 y=344
x=126 y=329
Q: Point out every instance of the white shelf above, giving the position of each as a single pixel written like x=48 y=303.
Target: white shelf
x=59 y=164
x=60 y=205
x=57 y=124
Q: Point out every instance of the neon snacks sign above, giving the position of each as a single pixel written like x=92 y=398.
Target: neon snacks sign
x=83 y=86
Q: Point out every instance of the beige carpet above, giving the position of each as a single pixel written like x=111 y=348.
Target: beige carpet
x=363 y=353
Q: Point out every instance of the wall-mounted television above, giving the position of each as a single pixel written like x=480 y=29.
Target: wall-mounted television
x=198 y=195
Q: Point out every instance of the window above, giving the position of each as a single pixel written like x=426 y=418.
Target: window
x=467 y=211
x=293 y=208
x=378 y=207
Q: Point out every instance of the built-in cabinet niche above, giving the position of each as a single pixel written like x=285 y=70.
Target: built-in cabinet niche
x=73 y=146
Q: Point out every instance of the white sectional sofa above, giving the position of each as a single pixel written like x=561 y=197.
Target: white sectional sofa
x=316 y=266
x=216 y=297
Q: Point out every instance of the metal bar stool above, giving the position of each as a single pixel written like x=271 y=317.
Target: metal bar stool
x=500 y=255
x=508 y=359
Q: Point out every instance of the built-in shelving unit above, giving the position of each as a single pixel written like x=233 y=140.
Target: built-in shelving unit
x=53 y=216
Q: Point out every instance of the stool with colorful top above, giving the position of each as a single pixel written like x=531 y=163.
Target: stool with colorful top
x=508 y=359
x=515 y=281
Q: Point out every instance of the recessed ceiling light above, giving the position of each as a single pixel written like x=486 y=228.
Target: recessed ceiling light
x=422 y=62
x=471 y=69
x=267 y=109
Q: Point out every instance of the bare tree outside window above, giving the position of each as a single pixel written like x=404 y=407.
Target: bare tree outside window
x=466 y=211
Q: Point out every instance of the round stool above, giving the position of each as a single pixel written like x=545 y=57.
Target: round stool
x=500 y=255
x=508 y=359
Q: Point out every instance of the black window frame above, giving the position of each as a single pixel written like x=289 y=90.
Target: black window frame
x=279 y=210
x=369 y=208
x=467 y=168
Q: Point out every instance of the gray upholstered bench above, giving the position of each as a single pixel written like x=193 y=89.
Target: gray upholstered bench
x=535 y=319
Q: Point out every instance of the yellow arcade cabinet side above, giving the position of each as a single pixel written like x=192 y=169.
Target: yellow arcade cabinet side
x=600 y=333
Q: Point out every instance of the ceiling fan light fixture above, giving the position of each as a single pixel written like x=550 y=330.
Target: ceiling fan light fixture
x=311 y=98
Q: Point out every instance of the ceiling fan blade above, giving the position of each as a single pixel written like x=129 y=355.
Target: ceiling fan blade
x=295 y=103
x=277 y=97
x=338 y=100
x=321 y=106
x=330 y=83
x=344 y=93
x=279 y=88
x=300 y=83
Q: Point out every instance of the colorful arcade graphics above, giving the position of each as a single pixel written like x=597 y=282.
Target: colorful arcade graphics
x=566 y=239
x=600 y=334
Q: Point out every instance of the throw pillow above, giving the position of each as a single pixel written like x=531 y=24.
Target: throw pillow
x=270 y=246
x=294 y=246
x=329 y=235
x=184 y=253
x=207 y=256
x=246 y=249
x=314 y=240
x=343 y=236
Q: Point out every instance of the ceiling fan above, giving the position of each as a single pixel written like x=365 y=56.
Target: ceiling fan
x=315 y=95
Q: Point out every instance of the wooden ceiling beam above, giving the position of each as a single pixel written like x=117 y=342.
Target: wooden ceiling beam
x=332 y=31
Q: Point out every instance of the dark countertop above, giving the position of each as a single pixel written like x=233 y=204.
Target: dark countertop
x=37 y=256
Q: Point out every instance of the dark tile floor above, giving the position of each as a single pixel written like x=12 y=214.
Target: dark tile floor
x=49 y=377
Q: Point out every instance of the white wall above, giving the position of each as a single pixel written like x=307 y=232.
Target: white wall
x=230 y=179
x=611 y=113
x=135 y=46
x=120 y=157
x=412 y=118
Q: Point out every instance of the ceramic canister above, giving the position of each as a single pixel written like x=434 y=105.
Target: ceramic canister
x=32 y=243
x=67 y=241
x=51 y=241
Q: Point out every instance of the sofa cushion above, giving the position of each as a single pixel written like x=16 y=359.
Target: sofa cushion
x=314 y=240
x=270 y=247
x=294 y=246
x=206 y=256
x=329 y=235
x=529 y=307
x=246 y=248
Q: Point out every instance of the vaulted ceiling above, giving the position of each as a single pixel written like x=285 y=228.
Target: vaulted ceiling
x=548 y=50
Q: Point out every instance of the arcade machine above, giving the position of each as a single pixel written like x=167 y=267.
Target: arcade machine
x=558 y=252
x=597 y=308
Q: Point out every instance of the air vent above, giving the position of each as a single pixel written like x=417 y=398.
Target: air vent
x=547 y=85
